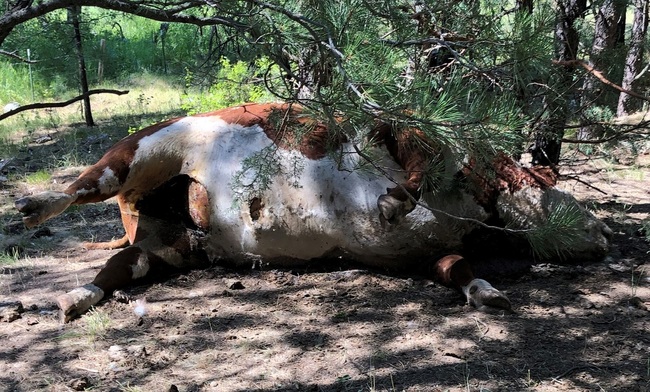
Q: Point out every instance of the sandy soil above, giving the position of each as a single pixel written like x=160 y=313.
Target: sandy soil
x=576 y=327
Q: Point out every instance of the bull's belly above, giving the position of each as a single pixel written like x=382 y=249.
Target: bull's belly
x=271 y=203
x=287 y=235
x=358 y=236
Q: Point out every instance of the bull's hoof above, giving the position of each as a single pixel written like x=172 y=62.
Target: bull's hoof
x=38 y=208
x=77 y=302
x=486 y=298
x=392 y=210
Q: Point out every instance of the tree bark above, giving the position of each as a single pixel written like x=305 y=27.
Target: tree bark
x=634 y=56
x=548 y=139
x=606 y=38
x=525 y=5
x=74 y=13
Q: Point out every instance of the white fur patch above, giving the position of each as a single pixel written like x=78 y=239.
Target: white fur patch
x=141 y=267
x=108 y=183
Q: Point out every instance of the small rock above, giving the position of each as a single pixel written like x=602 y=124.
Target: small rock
x=116 y=353
x=79 y=384
x=119 y=353
x=137 y=351
x=348 y=275
x=638 y=303
x=619 y=267
x=121 y=296
x=11 y=311
x=234 y=284
x=32 y=321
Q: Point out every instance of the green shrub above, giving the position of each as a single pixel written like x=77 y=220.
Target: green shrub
x=236 y=83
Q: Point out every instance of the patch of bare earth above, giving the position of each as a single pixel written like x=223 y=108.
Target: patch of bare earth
x=576 y=327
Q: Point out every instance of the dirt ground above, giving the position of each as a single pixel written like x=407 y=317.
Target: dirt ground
x=576 y=327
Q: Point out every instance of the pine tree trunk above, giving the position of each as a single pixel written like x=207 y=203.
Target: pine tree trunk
x=74 y=13
x=634 y=56
x=525 y=5
x=606 y=38
x=548 y=139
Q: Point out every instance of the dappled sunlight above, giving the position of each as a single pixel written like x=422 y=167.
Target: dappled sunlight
x=284 y=331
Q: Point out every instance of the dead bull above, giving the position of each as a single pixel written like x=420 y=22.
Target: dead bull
x=239 y=185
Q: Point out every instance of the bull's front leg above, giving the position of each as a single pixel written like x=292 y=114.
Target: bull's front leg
x=38 y=208
x=120 y=270
x=454 y=271
x=97 y=183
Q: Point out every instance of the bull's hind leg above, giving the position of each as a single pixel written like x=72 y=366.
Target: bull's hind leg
x=158 y=244
x=454 y=271
x=130 y=216
x=38 y=208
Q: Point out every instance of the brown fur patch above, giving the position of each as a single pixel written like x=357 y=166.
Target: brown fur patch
x=507 y=175
x=199 y=205
x=286 y=125
x=453 y=271
x=255 y=207
x=117 y=272
x=118 y=159
x=411 y=150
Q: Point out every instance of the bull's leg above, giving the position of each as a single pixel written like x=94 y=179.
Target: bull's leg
x=410 y=150
x=120 y=270
x=38 y=208
x=97 y=183
x=158 y=244
x=454 y=271
x=108 y=245
x=129 y=215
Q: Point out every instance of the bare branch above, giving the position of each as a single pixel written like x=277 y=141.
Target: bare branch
x=44 y=105
x=599 y=75
x=147 y=9
x=14 y=55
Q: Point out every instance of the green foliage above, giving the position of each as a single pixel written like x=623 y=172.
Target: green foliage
x=555 y=237
x=132 y=45
x=14 y=83
x=596 y=114
x=40 y=177
x=236 y=83
x=96 y=324
x=645 y=230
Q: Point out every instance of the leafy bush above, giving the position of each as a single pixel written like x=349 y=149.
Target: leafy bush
x=236 y=83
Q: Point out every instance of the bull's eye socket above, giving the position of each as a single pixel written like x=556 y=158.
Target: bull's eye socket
x=473 y=289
